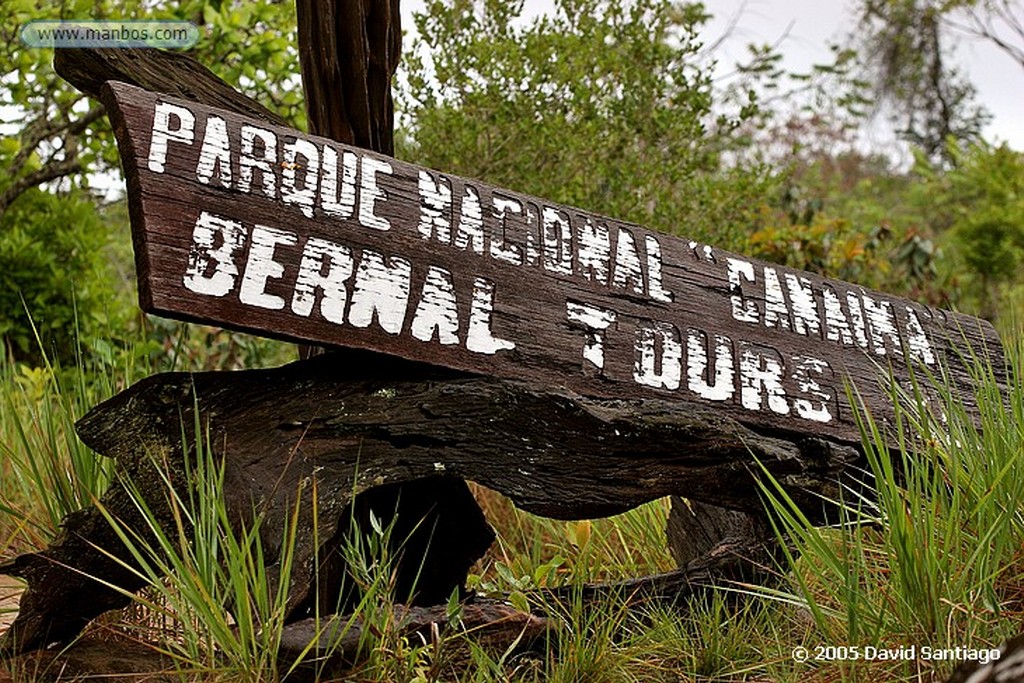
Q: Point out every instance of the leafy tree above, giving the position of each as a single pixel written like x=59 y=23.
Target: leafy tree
x=52 y=238
x=979 y=205
x=904 y=44
x=598 y=104
x=64 y=136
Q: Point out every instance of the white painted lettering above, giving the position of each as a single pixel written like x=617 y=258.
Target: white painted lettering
x=655 y=286
x=501 y=248
x=804 y=307
x=471 y=223
x=262 y=160
x=480 y=339
x=532 y=235
x=595 y=251
x=437 y=309
x=776 y=313
x=435 y=208
x=215 y=153
x=627 y=263
x=556 y=234
x=206 y=250
x=860 y=330
x=300 y=156
x=370 y=192
x=325 y=266
x=261 y=267
x=656 y=370
x=837 y=328
x=742 y=310
x=760 y=376
x=724 y=385
x=882 y=324
x=163 y=133
x=918 y=342
x=818 y=409
x=595 y=321
x=338 y=200
x=381 y=290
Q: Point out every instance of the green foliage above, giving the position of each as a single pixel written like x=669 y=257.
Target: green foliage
x=251 y=46
x=53 y=267
x=59 y=253
x=597 y=104
x=831 y=247
x=181 y=347
x=979 y=202
x=847 y=217
x=228 y=613
x=46 y=472
x=65 y=136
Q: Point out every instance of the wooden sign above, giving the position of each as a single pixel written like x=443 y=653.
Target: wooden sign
x=266 y=229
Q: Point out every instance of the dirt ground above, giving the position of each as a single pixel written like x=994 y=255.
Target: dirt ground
x=88 y=658
x=10 y=591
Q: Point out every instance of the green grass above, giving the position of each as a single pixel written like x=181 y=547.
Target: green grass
x=46 y=471
x=932 y=556
x=213 y=564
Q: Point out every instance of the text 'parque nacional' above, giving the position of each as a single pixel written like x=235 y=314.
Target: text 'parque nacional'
x=266 y=229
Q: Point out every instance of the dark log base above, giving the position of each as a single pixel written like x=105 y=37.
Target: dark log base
x=731 y=545
x=355 y=428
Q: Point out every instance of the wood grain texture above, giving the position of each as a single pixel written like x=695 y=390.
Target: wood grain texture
x=456 y=273
x=743 y=543
x=174 y=73
x=349 y=52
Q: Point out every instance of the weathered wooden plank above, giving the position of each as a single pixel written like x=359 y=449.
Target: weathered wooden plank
x=265 y=229
x=175 y=73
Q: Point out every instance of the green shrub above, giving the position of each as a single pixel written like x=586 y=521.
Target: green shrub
x=601 y=105
x=54 y=275
x=985 y=197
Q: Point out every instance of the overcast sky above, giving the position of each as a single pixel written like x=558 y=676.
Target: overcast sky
x=806 y=27
x=812 y=24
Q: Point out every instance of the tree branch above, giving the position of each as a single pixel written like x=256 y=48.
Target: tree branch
x=60 y=169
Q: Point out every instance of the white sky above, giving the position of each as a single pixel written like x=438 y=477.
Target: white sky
x=812 y=24
x=806 y=27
